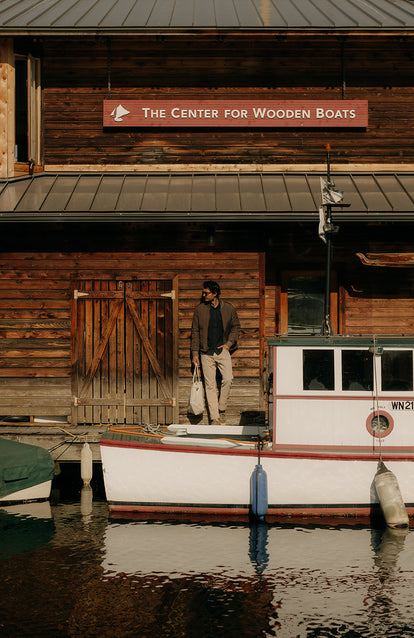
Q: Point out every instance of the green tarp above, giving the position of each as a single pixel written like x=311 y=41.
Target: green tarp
x=22 y=466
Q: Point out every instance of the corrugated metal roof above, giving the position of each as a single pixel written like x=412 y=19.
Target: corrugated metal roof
x=179 y=197
x=144 y=15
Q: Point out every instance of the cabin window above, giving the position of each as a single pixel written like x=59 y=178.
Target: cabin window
x=305 y=304
x=318 y=370
x=357 y=370
x=397 y=370
x=302 y=303
x=28 y=102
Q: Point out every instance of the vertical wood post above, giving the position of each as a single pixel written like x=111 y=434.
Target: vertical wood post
x=7 y=79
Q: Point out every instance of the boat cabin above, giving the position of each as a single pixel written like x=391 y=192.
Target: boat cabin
x=341 y=391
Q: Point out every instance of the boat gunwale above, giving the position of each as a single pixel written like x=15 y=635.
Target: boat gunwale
x=328 y=453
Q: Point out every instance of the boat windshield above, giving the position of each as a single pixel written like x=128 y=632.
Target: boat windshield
x=353 y=371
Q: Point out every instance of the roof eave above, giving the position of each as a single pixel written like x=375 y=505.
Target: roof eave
x=173 y=217
x=205 y=31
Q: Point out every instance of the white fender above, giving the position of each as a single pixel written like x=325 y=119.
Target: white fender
x=86 y=464
x=390 y=498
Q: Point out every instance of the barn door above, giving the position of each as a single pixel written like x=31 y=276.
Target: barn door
x=124 y=352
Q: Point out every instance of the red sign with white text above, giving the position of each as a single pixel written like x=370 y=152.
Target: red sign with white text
x=241 y=113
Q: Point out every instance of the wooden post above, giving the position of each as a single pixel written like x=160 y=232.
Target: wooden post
x=7 y=78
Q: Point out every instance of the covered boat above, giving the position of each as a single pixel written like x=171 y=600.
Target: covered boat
x=338 y=407
x=26 y=472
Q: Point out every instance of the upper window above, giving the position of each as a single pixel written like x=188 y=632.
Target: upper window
x=302 y=303
x=305 y=303
x=28 y=103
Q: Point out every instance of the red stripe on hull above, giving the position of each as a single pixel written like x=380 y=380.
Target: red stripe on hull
x=336 y=397
x=335 y=511
x=180 y=509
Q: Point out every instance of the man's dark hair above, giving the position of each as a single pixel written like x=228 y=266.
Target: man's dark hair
x=213 y=286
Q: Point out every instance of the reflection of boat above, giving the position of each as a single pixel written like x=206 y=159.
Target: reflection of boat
x=337 y=405
x=26 y=472
x=25 y=526
x=179 y=549
x=313 y=577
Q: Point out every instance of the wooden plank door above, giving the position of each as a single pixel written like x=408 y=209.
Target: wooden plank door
x=124 y=352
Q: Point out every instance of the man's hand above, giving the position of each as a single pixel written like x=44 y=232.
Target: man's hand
x=196 y=360
x=224 y=347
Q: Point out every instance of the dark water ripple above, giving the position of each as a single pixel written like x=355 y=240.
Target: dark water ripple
x=70 y=571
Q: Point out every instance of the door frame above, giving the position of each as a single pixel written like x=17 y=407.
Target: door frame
x=74 y=333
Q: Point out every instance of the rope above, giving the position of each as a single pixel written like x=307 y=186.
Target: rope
x=377 y=402
x=136 y=432
x=56 y=447
x=141 y=431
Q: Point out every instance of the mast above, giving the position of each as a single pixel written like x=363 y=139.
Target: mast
x=327 y=323
x=330 y=198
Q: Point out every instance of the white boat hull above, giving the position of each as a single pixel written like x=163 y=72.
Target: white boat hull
x=38 y=492
x=168 y=478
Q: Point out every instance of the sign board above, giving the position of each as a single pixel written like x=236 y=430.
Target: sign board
x=236 y=113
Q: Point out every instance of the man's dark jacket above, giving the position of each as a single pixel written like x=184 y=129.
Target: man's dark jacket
x=199 y=328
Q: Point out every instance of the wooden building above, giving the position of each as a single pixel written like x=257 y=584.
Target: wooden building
x=148 y=145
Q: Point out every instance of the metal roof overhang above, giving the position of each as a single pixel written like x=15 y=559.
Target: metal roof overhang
x=111 y=16
x=203 y=197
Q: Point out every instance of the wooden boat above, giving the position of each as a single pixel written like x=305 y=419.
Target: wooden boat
x=338 y=405
x=26 y=472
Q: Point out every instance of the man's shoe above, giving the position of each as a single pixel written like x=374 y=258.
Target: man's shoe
x=215 y=422
x=222 y=417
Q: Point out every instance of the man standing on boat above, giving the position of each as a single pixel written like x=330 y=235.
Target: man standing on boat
x=214 y=333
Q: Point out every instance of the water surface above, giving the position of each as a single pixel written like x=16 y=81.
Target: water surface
x=68 y=569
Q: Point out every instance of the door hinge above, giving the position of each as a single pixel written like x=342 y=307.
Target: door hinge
x=171 y=294
x=79 y=293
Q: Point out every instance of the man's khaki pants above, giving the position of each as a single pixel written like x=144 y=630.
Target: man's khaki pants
x=210 y=363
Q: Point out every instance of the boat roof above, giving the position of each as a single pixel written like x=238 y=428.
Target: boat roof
x=170 y=16
x=343 y=341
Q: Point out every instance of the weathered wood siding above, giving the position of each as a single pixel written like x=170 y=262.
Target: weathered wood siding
x=7 y=105
x=272 y=311
x=35 y=320
x=75 y=83
x=380 y=301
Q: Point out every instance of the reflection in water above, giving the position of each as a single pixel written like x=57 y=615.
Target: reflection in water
x=310 y=581
x=388 y=545
x=258 y=539
x=86 y=502
x=382 y=595
x=166 y=579
x=24 y=528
